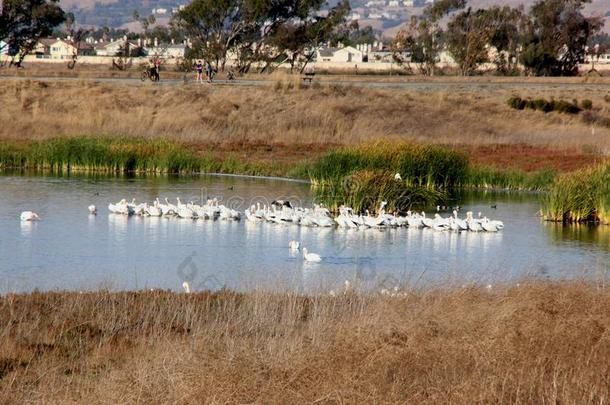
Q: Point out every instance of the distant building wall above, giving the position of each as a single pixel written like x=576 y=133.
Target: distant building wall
x=319 y=66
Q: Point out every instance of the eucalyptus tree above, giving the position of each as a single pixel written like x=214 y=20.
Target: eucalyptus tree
x=423 y=37
x=556 y=43
x=264 y=31
x=24 y=22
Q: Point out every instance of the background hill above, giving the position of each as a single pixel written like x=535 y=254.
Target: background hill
x=117 y=13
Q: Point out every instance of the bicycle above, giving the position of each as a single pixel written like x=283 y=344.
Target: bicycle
x=150 y=73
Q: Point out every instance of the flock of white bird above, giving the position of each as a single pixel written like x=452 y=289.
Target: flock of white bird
x=210 y=210
x=282 y=212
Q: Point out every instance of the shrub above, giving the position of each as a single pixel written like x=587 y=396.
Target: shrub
x=541 y=104
x=516 y=102
x=565 y=107
x=586 y=104
x=594 y=118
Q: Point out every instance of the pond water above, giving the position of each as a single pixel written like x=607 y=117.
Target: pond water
x=72 y=250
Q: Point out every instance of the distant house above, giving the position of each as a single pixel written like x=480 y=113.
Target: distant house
x=347 y=54
x=3 y=48
x=446 y=58
x=168 y=51
x=49 y=48
x=42 y=49
x=603 y=58
x=383 y=56
x=114 y=48
x=85 y=49
x=61 y=49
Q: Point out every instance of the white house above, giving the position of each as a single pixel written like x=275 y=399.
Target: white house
x=61 y=49
x=3 y=48
x=168 y=51
x=114 y=48
x=445 y=58
x=347 y=54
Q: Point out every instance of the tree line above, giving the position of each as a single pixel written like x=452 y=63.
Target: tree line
x=551 y=38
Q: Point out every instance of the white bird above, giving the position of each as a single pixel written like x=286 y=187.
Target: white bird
x=29 y=216
x=154 y=210
x=491 y=226
x=294 y=245
x=92 y=209
x=311 y=257
x=186 y=287
x=397 y=177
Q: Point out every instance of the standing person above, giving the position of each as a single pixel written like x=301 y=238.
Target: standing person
x=209 y=71
x=199 y=69
x=158 y=68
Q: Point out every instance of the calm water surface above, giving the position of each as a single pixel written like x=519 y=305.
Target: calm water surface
x=72 y=250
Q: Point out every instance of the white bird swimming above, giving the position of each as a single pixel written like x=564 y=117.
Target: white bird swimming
x=294 y=245
x=491 y=226
x=154 y=210
x=29 y=216
x=311 y=257
x=92 y=209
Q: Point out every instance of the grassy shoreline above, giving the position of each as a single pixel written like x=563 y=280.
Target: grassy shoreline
x=533 y=342
x=360 y=177
x=130 y=154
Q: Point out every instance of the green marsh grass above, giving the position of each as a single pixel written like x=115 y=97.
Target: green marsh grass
x=419 y=165
x=360 y=176
x=581 y=196
x=510 y=179
x=365 y=190
x=121 y=154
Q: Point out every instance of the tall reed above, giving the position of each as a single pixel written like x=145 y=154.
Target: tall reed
x=365 y=190
x=121 y=154
x=419 y=165
x=581 y=196
x=511 y=179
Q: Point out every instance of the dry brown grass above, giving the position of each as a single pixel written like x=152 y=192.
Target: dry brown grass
x=534 y=343
x=284 y=117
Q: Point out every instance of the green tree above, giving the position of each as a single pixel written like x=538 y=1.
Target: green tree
x=351 y=34
x=24 y=22
x=423 y=38
x=253 y=30
x=468 y=37
x=558 y=36
x=297 y=41
x=508 y=27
